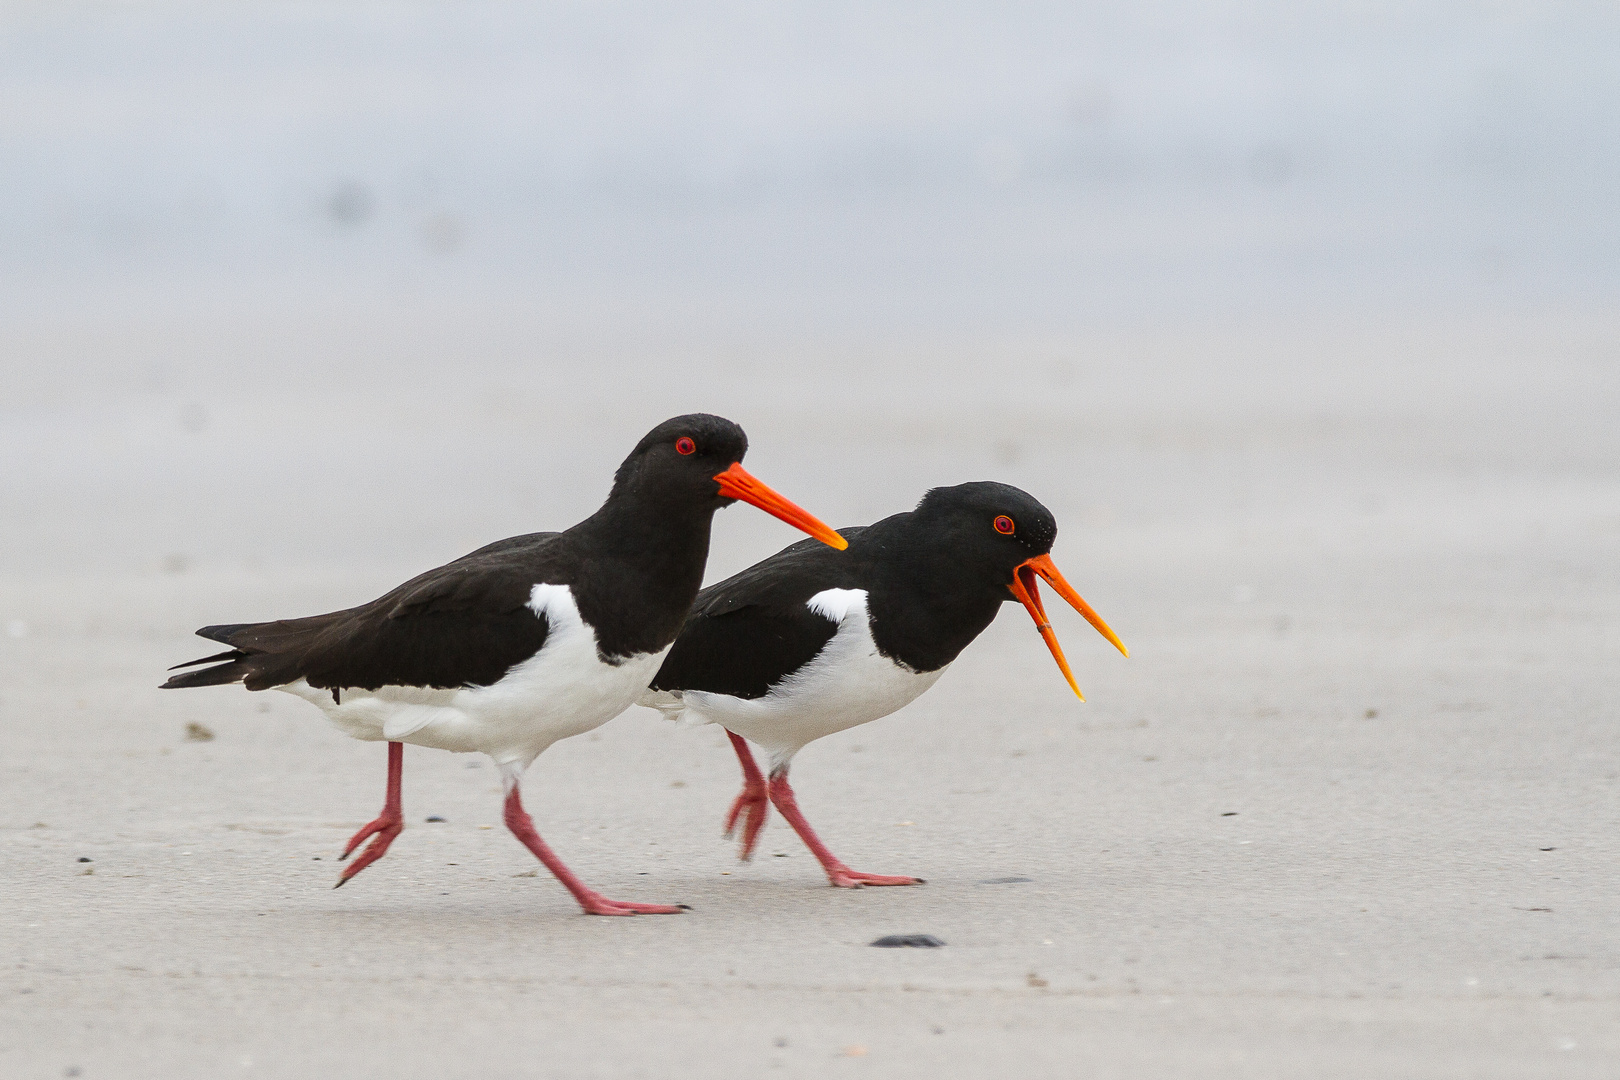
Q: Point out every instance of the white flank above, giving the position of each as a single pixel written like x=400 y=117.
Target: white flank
x=848 y=683
x=564 y=689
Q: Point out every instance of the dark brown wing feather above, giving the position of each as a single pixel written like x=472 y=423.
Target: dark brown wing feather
x=466 y=623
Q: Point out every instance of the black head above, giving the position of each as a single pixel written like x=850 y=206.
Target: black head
x=694 y=463
x=1002 y=537
x=990 y=529
x=679 y=459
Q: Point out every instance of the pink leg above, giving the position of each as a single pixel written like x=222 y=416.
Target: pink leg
x=387 y=826
x=753 y=799
x=594 y=903
x=839 y=874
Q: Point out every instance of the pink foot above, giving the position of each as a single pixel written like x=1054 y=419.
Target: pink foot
x=754 y=799
x=840 y=875
x=597 y=904
x=382 y=831
x=845 y=878
x=591 y=901
x=388 y=825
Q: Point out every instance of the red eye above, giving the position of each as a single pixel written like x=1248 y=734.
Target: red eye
x=1004 y=525
x=683 y=445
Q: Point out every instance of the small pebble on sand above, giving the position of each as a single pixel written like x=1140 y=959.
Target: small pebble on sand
x=908 y=941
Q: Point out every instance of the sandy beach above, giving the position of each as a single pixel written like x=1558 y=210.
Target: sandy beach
x=1348 y=810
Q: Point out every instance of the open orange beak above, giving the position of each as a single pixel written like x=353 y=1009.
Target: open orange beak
x=737 y=483
x=1023 y=586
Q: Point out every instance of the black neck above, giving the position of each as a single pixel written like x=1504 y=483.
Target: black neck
x=641 y=565
x=925 y=607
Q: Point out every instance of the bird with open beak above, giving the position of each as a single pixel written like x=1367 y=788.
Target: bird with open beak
x=812 y=641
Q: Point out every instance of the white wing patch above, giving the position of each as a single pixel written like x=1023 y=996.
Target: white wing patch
x=555 y=604
x=836 y=604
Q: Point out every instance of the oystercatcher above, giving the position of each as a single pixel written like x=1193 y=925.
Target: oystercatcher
x=810 y=642
x=523 y=642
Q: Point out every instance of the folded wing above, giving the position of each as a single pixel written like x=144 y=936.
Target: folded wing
x=750 y=631
x=463 y=624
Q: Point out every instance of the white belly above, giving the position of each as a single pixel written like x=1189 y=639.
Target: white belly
x=847 y=684
x=564 y=689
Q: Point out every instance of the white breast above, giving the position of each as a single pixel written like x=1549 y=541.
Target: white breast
x=564 y=689
x=847 y=684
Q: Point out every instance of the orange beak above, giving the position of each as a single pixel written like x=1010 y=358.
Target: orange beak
x=1023 y=586
x=736 y=483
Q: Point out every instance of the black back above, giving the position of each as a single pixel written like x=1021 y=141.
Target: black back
x=934 y=578
x=633 y=569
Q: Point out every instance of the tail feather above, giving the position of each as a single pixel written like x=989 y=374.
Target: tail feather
x=228 y=654
x=269 y=637
x=261 y=654
x=225 y=631
x=221 y=674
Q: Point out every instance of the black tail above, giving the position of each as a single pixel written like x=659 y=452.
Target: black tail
x=261 y=654
x=230 y=672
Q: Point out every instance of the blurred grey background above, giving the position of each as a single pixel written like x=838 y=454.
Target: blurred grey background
x=1302 y=318
x=876 y=166
x=240 y=241
x=254 y=233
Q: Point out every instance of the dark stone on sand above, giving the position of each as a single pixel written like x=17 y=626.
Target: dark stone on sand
x=908 y=941
x=436 y=820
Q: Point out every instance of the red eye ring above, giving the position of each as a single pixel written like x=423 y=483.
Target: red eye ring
x=1004 y=525
x=683 y=445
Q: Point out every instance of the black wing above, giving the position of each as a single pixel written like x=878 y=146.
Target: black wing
x=747 y=633
x=466 y=623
